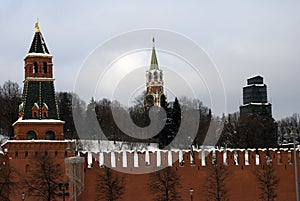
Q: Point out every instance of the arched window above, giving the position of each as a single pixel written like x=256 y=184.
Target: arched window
x=26 y=154
x=155 y=76
x=50 y=135
x=45 y=68
x=35 y=67
x=149 y=77
x=44 y=111
x=31 y=135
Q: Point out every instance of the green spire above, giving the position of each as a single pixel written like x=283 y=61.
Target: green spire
x=154 y=63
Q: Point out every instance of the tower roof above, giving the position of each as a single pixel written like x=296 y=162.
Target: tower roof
x=38 y=44
x=154 y=63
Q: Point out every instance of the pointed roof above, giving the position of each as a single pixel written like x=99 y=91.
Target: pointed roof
x=38 y=44
x=154 y=63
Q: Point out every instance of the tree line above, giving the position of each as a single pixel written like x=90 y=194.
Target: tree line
x=243 y=131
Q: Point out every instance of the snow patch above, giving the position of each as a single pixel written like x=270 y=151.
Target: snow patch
x=113 y=159
x=124 y=159
x=158 y=159
x=90 y=160
x=170 y=159
x=135 y=159
x=101 y=159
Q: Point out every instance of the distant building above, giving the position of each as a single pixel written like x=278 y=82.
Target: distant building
x=255 y=99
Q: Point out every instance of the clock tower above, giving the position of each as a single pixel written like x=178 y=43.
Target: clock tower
x=154 y=82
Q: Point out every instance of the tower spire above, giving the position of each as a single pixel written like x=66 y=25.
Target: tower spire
x=154 y=63
x=38 y=44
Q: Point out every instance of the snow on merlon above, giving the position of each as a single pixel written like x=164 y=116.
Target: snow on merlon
x=96 y=146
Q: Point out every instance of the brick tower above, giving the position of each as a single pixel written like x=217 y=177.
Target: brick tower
x=38 y=112
x=38 y=133
x=154 y=82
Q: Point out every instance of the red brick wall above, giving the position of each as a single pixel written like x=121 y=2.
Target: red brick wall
x=29 y=61
x=241 y=183
x=19 y=154
x=40 y=129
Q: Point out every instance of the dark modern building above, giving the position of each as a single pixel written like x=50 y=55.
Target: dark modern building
x=255 y=99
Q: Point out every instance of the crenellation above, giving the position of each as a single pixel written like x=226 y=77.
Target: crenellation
x=230 y=157
x=272 y=154
x=262 y=156
x=153 y=158
x=162 y=158
x=219 y=156
x=251 y=157
x=241 y=157
x=130 y=159
x=119 y=159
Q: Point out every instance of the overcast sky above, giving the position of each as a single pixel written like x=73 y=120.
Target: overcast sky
x=243 y=38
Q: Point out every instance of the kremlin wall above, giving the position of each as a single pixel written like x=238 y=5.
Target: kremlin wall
x=241 y=183
x=39 y=132
x=136 y=166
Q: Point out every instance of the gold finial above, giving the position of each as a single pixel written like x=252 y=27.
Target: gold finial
x=37 y=28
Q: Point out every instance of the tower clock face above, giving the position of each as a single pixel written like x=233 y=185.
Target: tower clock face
x=149 y=100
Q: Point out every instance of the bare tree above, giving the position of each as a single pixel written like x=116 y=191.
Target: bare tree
x=164 y=184
x=215 y=184
x=256 y=131
x=64 y=102
x=287 y=127
x=267 y=181
x=230 y=135
x=10 y=98
x=43 y=178
x=110 y=186
x=7 y=181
